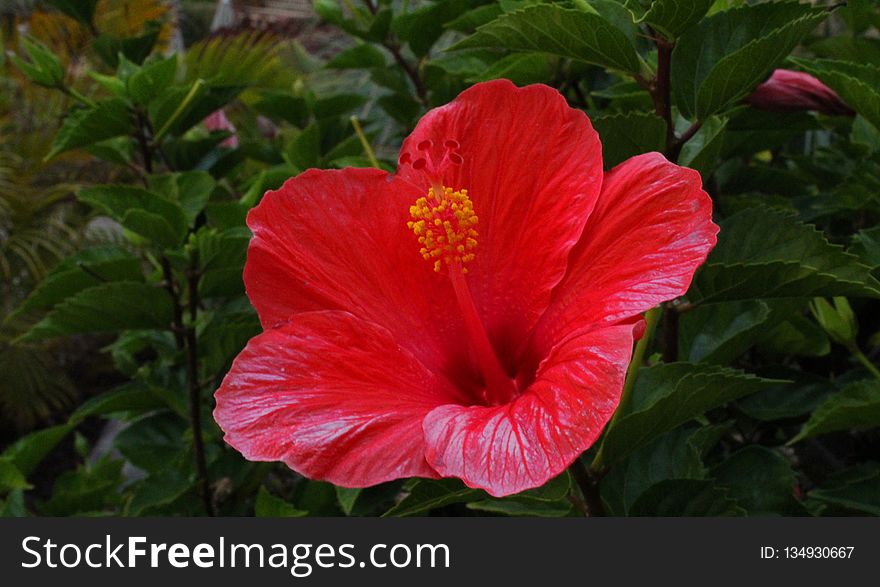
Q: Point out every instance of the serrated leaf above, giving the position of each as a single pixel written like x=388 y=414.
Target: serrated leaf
x=134 y=396
x=86 y=126
x=686 y=497
x=759 y=479
x=87 y=268
x=668 y=395
x=347 y=496
x=29 y=451
x=673 y=17
x=190 y=189
x=726 y=55
x=422 y=27
x=358 y=57
x=566 y=32
x=678 y=454
x=44 y=68
x=269 y=506
x=766 y=253
x=152 y=80
x=701 y=152
x=148 y=214
x=719 y=333
x=154 y=442
x=855 y=406
x=520 y=68
x=81 y=10
x=110 y=307
x=11 y=477
x=856 y=489
x=626 y=135
x=789 y=400
x=429 y=494
x=857 y=84
x=161 y=488
x=515 y=506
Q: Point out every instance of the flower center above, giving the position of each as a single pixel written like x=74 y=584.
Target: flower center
x=445 y=223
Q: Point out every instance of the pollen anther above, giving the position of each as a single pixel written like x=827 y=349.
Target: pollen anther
x=445 y=225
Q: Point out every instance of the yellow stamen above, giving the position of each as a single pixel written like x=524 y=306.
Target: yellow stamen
x=446 y=226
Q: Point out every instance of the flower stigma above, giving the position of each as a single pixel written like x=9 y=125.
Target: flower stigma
x=445 y=224
x=444 y=220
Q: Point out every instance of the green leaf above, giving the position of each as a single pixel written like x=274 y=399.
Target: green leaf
x=134 y=396
x=429 y=494
x=549 y=28
x=347 y=497
x=517 y=506
x=668 y=395
x=856 y=489
x=760 y=479
x=190 y=189
x=855 y=406
x=362 y=56
x=11 y=477
x=788 y=400
x=725 y=56
x=857 y=84
x=110 y=307
x=686 y=497
x=161 y=488
x=766 y=253
x=269 y=506
x=89 y=125
x=795 y=336
x=626 y=135
x=89 y=489
x=152 y=80
x=678 y=454
x=145 y=213
x=520 y=68
x=44 y=68
x=304 y=150
x=701 y=152
x=673 y=17
x=422 y=27
x=87 y=268
x=29 y=451
x=154 y=442
x=719 y=333
x=81 y=10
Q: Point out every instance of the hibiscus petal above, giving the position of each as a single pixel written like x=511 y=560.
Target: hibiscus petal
x=651 y=229
x=533 y=169
x=338 y=240
x=334 y=398
x=510 y=448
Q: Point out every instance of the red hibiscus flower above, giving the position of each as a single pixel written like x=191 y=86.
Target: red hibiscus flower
x=470 y=316
x=789 y=91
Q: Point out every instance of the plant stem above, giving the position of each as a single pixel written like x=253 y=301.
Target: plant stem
x=638 y=359
x=632 y=373
x=860 y=356
x=364 y=142
x=588 y=482
x=195 y=396
x=144 y=142
x=670 y=334
x=177 y=309
x=185 y=338
x=662 y=94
